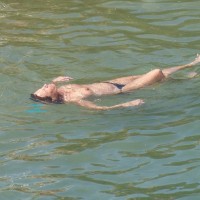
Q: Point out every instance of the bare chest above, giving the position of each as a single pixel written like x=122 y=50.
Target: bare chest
x=73 y=92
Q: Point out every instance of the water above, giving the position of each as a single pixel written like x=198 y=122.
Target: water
x=66 y=152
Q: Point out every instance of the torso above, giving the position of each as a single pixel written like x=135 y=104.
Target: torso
x=75 y=92
x=100 y=89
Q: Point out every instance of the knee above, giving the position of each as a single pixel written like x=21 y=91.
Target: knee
x=158 y=73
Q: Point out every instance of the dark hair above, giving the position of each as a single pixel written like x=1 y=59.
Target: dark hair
x=46 y=100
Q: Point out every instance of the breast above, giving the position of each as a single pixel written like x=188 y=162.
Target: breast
x=75 y=92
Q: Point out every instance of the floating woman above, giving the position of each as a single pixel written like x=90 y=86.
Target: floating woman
x=78 y=93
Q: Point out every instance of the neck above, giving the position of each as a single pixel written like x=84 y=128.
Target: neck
x=56 y=96
x=59 y=99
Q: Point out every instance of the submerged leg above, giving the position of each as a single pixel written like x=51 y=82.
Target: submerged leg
x=167 y=72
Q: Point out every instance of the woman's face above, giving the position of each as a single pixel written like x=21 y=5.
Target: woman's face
x=48 y=90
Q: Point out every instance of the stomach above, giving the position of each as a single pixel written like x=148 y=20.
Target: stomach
x=99 y=89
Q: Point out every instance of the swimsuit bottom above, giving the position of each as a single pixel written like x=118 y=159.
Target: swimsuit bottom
x=119 y=86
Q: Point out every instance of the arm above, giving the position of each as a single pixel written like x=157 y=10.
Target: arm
x=91 y=105
x=62 y=79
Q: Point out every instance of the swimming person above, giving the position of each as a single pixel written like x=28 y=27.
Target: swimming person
x=78 y=93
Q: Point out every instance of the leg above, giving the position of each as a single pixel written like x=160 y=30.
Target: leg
x=167 y=72
x=124 y=80
x=151 y=77
x=156 y=76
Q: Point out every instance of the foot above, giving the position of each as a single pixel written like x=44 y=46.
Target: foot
x=197 y=60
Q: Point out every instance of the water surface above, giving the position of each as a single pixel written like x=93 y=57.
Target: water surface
x=66 y=152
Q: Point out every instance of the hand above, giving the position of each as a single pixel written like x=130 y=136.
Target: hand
x=136 y=102
x=62 y=79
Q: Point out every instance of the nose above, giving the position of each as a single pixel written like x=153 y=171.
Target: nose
x=45 y=86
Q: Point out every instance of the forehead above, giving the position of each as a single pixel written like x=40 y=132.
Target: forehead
x=48 y=87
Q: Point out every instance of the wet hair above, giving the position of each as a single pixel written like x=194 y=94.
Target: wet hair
x=46 y=100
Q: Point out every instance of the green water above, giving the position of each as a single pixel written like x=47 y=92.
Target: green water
x=64 y=152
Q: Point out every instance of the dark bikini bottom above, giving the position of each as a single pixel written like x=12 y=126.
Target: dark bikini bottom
x=119 y=86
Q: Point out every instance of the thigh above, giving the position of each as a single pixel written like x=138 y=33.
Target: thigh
x=124 y=80
x=144 y=80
